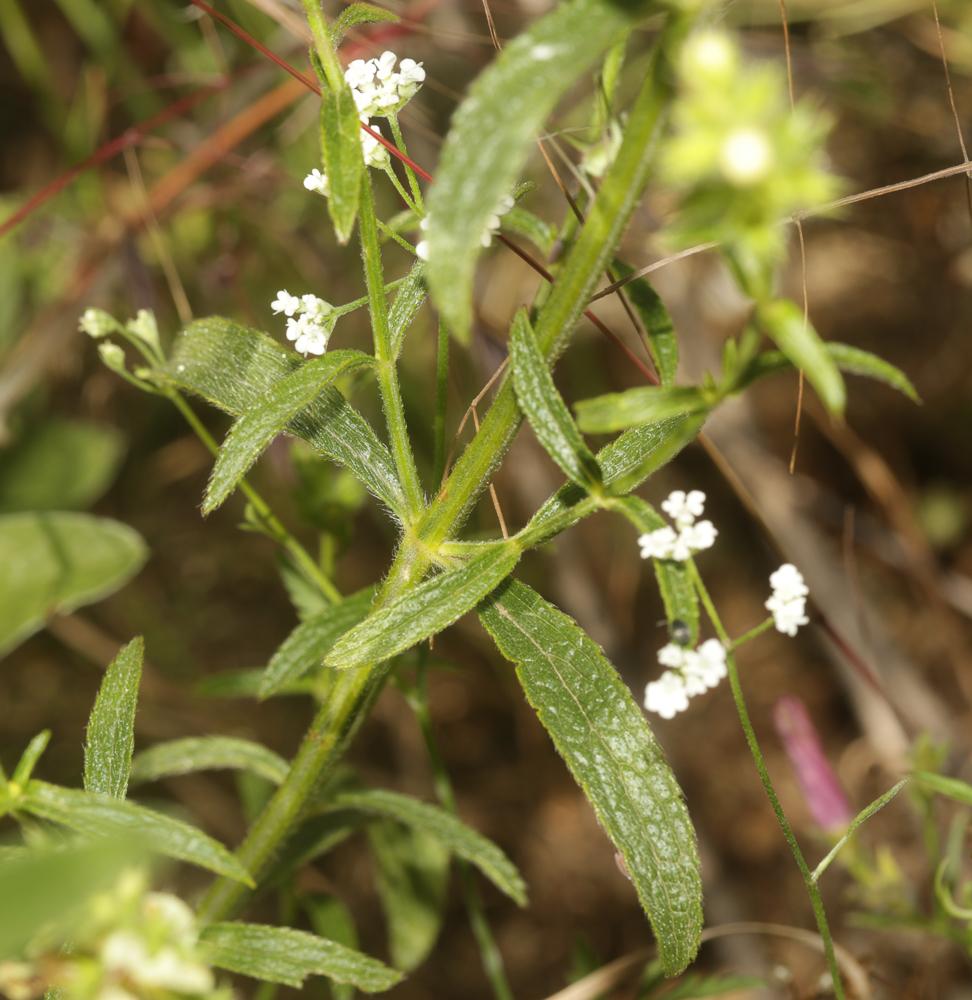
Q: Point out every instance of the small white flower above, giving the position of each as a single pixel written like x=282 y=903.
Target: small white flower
x=375 y=153
x=379 y=89
x=691 y=535
x=746 y=156
x=667 y=696
x=422 y=249
x=708 y=663
x=285 y=303
x=699 y=536
x=317 y=181
x=96 y=323
x=658 y=544
x=788 y=602
x=672 y=655
x=692 y=672
x=683 y=508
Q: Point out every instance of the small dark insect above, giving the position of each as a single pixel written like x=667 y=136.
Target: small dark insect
x=680 y=632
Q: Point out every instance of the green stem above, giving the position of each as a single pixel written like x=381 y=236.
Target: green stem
x=391 y=396
x=758 y=630
x=589 y=255
x=323 y=44
x=816 y=902
x=413 y=183
x=274 y=526
x=489 y=952
x=402 y=193
x=351 y=697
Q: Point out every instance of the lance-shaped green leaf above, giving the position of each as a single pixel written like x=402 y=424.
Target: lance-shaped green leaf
x=850 y=359
x=342 y=156
x=111 y=725
x=625 y=463
x=356 y=14
x=287 y=956
x=412 y=876
x=207 y=753
x=254 y=431
x=799 y=341
x=674 y=581
x=604 y=739
x=545 y=409
x=522 y=222
x=408 y=300
x=424 y=610
x=461 y=840
x=97 y=815
x=492 y=132
x=952 y=788
x=617 y=411
x=662 y=341
x=54 y=563
x=234 y=367
x=308 y=644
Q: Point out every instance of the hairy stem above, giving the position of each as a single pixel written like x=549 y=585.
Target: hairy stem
x=391 y=396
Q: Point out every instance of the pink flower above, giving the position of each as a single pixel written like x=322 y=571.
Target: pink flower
x=821 y=789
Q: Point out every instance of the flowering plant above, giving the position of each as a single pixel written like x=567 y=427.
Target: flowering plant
x=738 y=166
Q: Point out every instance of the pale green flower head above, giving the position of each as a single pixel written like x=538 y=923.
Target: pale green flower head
x=741 y=159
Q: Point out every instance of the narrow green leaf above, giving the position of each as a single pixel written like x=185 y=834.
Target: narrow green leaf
x=674 y=580
x=461 y=840
x=604 y=739
x=424 y=610
x=254 y=431
x=626 y=462
x=847 y=358
x=860 y=362
x=111 y=725
x=287 y=956
x=59 y=465
x=305 y=648
x=207 y=753
x=54 y=563
x=952 y=788
x=234 y=367
x=342 y=156
x=41 y=888
x=796 y=338
x=408 y=300
x=30 y=757
x=662 y=341
x=492 y=131
x=356 y=14
x=97 y=815
x=545 y=409
x=412 y=869
x=862 y=817
x=523 y=222
x=616 y=411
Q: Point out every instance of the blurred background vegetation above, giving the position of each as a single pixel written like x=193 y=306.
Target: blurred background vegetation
x=202 y=212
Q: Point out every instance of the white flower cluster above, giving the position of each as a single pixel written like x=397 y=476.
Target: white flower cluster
x=788 y=602
x=689 y=534
x=379 y=89
x=692 y=672
x=492 y=227
x=310 y=320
